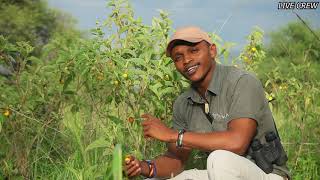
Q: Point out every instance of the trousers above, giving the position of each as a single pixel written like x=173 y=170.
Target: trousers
x=222 y=165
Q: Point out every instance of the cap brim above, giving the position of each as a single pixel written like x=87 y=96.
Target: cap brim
x=172 y=43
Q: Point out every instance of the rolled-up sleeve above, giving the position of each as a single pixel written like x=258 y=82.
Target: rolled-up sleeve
x=247 y=99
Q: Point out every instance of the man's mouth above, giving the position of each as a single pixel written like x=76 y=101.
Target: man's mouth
x=192 y=69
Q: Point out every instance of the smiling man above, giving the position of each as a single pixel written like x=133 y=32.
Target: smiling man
x=224 y=113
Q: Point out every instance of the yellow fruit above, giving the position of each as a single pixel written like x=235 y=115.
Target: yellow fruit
x=100 y=76
x=253 y=49
x=246 y=59
x=270 y=98
x=6 y=113
x=127 y=159
x=116 y=82
x=125 y=75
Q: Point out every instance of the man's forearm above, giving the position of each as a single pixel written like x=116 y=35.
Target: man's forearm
x=236 y=139
x=213 y=141
x=167 y=166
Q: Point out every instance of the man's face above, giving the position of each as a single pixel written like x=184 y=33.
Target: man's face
x=193 y=60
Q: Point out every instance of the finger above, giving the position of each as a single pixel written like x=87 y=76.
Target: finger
x=133 y=169
x=146 y=128
x=129 y=166
x=131 y=163
x=146 y=131
x=146 y=115
x=137 y=172
x=144 y=123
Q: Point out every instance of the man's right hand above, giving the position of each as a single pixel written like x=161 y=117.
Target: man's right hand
x=133 y=166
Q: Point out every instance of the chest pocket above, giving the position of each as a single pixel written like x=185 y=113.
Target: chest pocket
x=198 y=121
x=220 y=122
x=218 y=113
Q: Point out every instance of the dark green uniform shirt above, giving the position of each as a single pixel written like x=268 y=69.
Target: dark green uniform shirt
x=232 y=94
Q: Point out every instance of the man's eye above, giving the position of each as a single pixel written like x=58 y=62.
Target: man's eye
x=194 y=50
x=177 y=58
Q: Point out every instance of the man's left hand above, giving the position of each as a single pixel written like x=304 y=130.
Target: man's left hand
x=153 y=127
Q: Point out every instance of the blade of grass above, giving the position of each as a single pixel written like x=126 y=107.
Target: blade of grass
x=117 y=163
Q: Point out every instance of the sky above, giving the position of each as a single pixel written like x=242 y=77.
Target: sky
x=232 y=20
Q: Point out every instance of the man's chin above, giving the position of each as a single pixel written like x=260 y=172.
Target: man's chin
x=195 y=80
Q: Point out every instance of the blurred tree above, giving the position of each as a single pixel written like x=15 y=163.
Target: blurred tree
x=293 y=41
x=34 y=22
x=293 y=44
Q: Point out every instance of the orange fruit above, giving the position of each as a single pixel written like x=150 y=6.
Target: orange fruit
x=131 y=119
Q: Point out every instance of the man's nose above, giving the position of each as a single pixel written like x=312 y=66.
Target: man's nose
x=187 y=59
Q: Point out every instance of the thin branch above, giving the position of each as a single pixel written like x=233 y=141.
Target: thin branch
x=307 y=26
x=224 y=23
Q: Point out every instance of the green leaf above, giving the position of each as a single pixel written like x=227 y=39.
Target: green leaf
x=68 y=81
x=167 y=90
x=115 y=119
x=154 y=88
x=99 y=143
x=69 y=92
x=129 y=51
x=123 y=29
x=2 y=118
x=117 y=163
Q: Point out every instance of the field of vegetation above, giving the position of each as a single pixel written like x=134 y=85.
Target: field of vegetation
x=70 y=105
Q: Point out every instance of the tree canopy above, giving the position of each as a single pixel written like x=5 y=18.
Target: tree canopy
x=32 y=21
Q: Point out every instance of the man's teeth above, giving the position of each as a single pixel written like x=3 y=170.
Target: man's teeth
x=192 y=69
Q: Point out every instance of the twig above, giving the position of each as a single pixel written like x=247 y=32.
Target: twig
x=35 y=120
x=224 y=23
x=308 y=143
x=307 y=26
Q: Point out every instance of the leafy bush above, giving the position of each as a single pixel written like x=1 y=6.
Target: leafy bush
x=65 y=118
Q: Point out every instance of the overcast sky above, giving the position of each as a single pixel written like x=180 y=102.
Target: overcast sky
x=232 y=20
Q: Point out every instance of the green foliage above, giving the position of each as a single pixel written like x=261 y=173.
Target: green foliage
x=75 y=107
x=66 y=118
x=295 y=41
x=289 y=71
x=117 y=163
x=32 y=21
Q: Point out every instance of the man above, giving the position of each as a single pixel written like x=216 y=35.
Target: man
x=222 y=112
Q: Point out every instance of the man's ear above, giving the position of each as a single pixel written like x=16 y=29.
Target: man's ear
x=213 y=50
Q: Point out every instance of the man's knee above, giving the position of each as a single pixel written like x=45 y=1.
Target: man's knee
x=219 y=158
x=221 y=164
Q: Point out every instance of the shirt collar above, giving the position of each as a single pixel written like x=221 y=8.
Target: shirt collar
x=215 y=83
x=214 y=86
